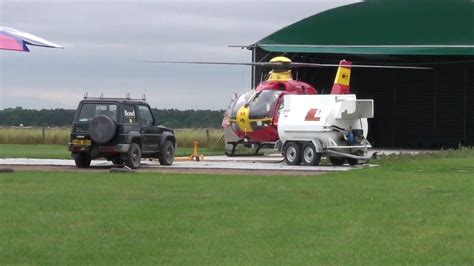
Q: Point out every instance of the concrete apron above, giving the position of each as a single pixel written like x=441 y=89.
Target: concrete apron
x=264 y=163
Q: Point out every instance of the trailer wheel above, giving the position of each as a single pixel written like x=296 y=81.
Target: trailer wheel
x=309 y=154
x=293 y=153
x=337 y=161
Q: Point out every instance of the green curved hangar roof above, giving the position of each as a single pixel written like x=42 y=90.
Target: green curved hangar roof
x=382 y=27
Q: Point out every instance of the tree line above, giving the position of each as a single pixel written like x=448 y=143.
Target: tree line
x=63 y=117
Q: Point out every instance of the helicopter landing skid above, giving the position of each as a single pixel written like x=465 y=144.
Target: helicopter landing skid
x=260 y=145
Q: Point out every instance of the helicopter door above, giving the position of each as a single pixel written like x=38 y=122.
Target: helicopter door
x=279 y=106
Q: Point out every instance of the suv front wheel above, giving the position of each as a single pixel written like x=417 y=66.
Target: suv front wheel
x=134 y=156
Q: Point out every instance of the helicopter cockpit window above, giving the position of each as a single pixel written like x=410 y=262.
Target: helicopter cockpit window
x=263 y=106
x=241 y=101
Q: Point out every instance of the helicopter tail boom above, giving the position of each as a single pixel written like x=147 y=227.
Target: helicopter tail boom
x=343 y=77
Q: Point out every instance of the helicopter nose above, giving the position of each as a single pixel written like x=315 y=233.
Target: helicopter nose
x=243 y=119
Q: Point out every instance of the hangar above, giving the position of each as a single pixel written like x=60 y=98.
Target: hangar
x=413 y=108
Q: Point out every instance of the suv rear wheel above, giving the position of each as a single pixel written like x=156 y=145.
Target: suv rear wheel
x=167 y=153
x=83 y=160
x=134 y=156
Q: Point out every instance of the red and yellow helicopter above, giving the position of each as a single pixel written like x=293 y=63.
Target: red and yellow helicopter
x=253 y=115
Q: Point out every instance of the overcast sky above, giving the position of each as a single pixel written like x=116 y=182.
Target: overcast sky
x=104 y=40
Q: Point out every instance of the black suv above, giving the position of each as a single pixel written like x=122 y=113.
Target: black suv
x=122 y=130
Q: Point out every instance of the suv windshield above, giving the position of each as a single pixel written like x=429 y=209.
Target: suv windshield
x=91 y=110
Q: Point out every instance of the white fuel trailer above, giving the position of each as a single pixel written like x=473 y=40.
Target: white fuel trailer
x=333 y=126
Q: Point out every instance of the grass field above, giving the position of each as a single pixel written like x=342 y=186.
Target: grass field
x=410 y=210
x=34 y=135
x=60 y=151
x=60 y=136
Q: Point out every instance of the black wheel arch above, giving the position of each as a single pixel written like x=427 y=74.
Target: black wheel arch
x=167 y=136
x=134 y=137
x=138 y=140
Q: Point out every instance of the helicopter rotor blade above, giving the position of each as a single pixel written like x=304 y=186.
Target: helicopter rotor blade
x=280 y=65
x=209 y=63
x=297 y=64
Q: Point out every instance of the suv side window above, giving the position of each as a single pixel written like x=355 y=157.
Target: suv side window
x=145 y=115
x=129 y=115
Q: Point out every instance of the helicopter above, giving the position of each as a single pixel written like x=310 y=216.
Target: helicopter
x=253 y=115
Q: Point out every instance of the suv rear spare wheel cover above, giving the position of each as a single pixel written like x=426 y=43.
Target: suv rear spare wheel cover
x=102 y=129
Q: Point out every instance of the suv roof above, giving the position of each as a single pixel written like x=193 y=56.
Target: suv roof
x=121 y=100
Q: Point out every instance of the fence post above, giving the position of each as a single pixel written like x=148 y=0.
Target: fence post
x=44 y=136
x=207 y=137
